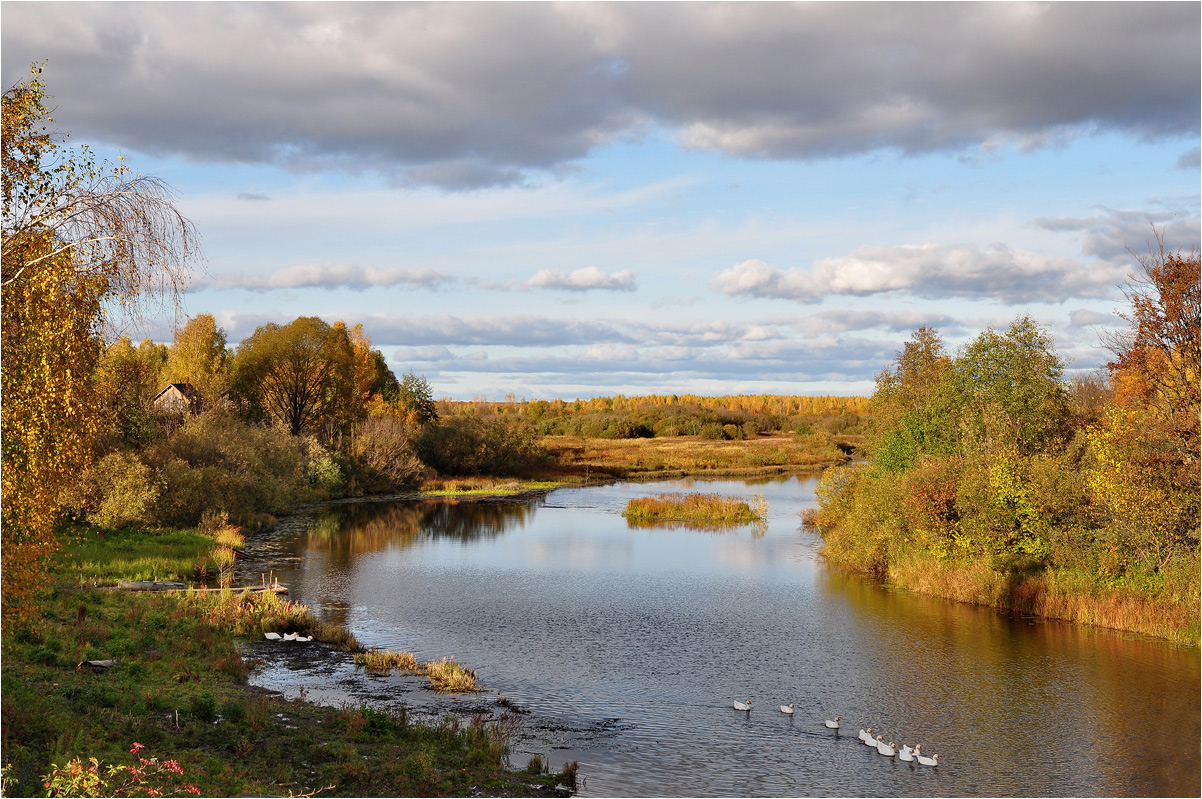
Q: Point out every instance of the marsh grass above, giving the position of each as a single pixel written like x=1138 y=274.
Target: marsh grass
x=689 y=509
x=445 y=676
x=386 y=660
x=1168 y=609
x=448 y=677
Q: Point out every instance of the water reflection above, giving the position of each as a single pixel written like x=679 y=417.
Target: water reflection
x=649 y=633
x=351 y=530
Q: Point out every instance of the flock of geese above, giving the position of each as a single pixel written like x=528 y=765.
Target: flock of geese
x=288 y=637
x=905 y=753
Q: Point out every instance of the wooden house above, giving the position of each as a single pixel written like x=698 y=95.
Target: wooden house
x=178 y=398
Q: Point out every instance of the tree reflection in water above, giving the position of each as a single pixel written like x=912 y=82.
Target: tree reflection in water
x=347 y=531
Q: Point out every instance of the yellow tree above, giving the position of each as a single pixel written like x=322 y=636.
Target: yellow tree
x=81 y=243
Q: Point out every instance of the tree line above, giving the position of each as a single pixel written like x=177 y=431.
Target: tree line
x=989 y=462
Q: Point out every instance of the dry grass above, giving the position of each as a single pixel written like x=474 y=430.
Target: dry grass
x=1052 y=594
x=701 y=508
x=445 y=676
x=386 y=660
x=644 y=457
x=448 y=677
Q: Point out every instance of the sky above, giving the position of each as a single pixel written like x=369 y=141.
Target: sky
x=586 y=199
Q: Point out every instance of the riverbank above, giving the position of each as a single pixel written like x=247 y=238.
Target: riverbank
x=169 y=686
x=1162 y=603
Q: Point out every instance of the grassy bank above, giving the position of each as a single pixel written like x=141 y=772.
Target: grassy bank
x=691 y=455
x=1164 y=604
x=175 y=709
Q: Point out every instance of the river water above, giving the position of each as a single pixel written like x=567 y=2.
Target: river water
x=627 y=647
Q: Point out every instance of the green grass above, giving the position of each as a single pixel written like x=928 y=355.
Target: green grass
x=179 y=689
x=102 y=557
x=705 y=509
x=477 y=487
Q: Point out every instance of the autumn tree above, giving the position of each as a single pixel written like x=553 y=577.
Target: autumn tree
x=198 y=357
x=128 y=378
x=82 y=243
x=300 y=375
x=1146 y=448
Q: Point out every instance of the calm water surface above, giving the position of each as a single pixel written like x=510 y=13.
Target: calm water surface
x=628 y=645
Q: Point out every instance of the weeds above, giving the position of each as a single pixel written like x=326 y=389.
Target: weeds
x=448 y=677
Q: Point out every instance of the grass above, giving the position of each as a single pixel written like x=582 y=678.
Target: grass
x=445 y=676
x=179 y=689
x=484 y=487
x=705 y=509
x=1071 y=595
x=690 y=455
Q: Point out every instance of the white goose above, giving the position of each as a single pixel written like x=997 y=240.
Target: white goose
x=742 y=705
x=272 y=636
x=291 y=636
x=834 y=725
x=867 y=738
x=786 y=709
x=885 y=749
x=906 y=754
x=928 y=761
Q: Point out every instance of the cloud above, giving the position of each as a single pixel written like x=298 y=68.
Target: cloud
x=1113 y=235
x=929 y=271
x=252 y=196
x=462 y=95
x=326 y=276
x=1085 y=318
x=1190 y=159
x=891 y=321
x=587 y=279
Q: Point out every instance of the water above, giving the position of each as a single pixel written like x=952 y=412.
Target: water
x=628 y=646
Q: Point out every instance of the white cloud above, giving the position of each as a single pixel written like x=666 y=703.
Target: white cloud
x=928 y=271
x=326 y=276
x=587 y=279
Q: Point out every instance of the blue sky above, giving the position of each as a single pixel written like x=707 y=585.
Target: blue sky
x=589 y=199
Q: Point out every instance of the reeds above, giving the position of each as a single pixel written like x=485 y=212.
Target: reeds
x=705 y=509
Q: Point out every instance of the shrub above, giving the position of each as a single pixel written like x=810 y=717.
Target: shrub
x=713 y=432
x=383 y=446
x=464 y=445
x=118 y=491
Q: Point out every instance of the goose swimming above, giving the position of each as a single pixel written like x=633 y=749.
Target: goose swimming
x=865 y=736
x=742 y=705
x=834 y=725
x=868 y=739
x=906 y=754
x=272 y=636
x=928 y=761
x=788 y=709
x=885 y=749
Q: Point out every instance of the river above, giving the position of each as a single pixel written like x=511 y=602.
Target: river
x=628 y=646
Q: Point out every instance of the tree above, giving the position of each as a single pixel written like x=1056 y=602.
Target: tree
x=1012 y=388
x=373 y=379
x=128 y=379
x=198 y=357
x=81 y=244
x=1156 y=363
x=1146 y=449
x=913 y=408
x=415 y=396
x=300 y=375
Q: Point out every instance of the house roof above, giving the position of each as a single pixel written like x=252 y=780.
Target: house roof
x=183 y=388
